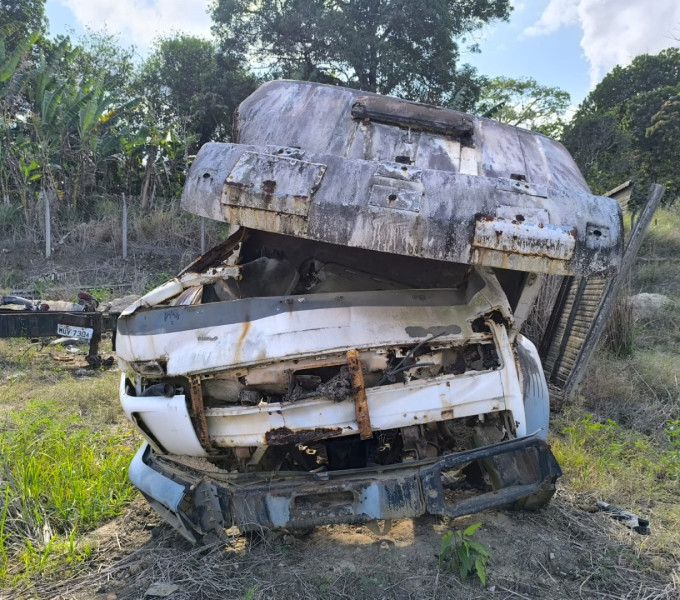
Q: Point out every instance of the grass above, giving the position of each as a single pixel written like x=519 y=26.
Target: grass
x=638 y=472
x=659 y=265
x=620 y=440
x=65 y=448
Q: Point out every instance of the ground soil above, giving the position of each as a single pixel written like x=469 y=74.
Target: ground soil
x=562 y=551
x=99 y=267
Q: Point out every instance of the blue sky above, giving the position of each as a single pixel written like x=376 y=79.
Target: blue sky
x=570 y=44
x=555 y=59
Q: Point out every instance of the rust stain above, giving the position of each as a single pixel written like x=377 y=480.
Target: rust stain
x=198 y=412
x=269 y=186
x=241 y=339
x=359 y=393
x=238 y=185
x=283 y=435
x=447 y=414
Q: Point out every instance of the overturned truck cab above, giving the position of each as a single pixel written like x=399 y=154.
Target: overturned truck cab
x=352 y=351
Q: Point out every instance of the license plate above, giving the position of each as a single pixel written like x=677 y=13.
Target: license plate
x=82 y=333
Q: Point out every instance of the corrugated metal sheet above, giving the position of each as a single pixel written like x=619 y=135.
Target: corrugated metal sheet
x=573 y=316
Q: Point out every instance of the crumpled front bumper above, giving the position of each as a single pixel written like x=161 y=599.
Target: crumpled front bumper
x=197 y=502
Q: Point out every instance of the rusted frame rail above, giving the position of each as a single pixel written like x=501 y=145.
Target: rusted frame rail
x=28 y=324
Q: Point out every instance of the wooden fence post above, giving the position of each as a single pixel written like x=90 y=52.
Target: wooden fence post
x=202 y=236
x=125 y=226
x=48 y=224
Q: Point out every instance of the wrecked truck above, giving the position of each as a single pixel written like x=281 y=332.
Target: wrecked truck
x=352 y=352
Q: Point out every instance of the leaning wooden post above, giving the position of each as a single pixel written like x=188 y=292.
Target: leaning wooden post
x=202 y=236
x=48 y=224
x=124 y=226
x=609 y=301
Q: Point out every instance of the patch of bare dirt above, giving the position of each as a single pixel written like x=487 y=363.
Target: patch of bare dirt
x=97 y=265
x=559 y=552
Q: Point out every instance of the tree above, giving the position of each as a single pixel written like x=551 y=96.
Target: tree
x=26 y=15
x=625 y=128
x=190 y=93
x=602 y=150
x=401 y=47
x=193 y=89
x=525 y=103
x=646 y=72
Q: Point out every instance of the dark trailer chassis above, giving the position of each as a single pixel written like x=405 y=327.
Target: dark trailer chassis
x=37 y=324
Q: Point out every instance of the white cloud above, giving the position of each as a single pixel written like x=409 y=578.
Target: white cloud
x=555 y=15
x=614 y=31
x=142 y=20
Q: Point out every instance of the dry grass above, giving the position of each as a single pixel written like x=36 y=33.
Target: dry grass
x=537 y=321
x=594 y=557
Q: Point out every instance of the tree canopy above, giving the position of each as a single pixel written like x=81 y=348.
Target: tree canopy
x=409 y=48
x=627 y=127
x=192 y=89
x=79 y=119
x=524 y=103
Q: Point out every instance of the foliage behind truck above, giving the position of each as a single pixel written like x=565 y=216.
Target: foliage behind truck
x=353 y=351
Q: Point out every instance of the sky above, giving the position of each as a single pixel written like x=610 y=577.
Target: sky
x=569 y=44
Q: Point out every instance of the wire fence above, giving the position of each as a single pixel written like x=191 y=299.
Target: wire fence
x=112 y=244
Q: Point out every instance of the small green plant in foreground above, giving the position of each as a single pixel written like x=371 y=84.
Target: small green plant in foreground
x=59 y=479
x=459 y=552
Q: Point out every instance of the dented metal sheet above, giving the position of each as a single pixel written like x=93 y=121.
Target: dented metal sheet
x=519 y=237
x=362 y=170
x=426 y=213
x=272 y=183
x=407 y=490
x=201 y=338
x=398 y=199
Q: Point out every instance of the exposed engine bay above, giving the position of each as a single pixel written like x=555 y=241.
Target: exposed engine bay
x=253 y=264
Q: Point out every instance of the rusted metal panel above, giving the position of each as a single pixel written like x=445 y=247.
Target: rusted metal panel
x=359 y=392
x=438 y=223
x=198 y=412
x=272 y=183
x=318 y=119
x=372 y=147
x=521 y=237
x=400 y=491
x=389 y=406
x=283 y=435
x=412 y=115
x=581 y=347
x=28 y=324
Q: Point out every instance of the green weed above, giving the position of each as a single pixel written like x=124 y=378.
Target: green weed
x=640 y=472
x=64 y=452
x=459 y=552
x=663 y=237
x=60 y=477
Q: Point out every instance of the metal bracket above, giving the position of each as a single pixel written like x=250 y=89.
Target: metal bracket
x=198 y=412
x=359 y=392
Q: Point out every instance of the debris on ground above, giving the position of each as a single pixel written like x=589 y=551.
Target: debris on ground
x=626 y=517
